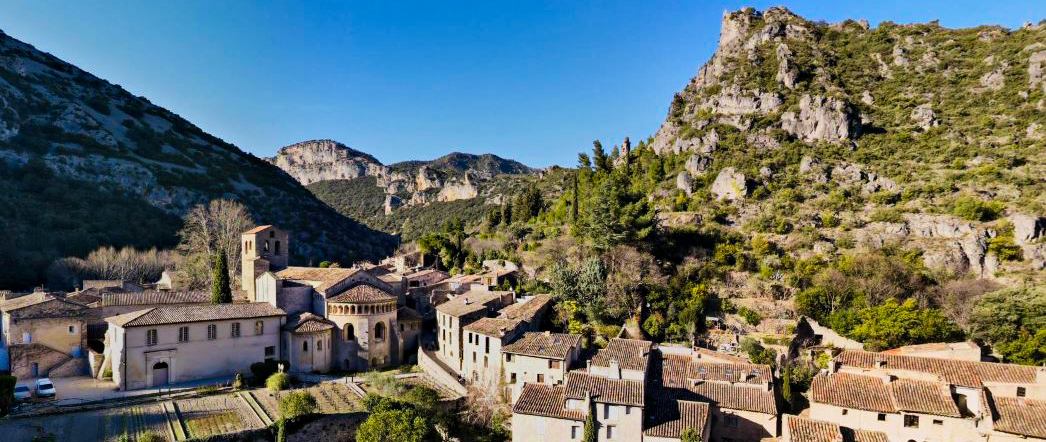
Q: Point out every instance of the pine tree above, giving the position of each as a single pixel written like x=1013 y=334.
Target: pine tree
x=221 y=292
x=599 y=156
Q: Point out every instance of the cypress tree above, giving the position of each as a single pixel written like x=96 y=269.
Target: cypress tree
x=575 y=205
x=591 y=434
x=221 y=292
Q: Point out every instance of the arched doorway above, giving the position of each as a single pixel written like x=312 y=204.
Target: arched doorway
x=160 y=374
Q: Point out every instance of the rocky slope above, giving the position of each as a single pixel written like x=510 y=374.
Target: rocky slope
x=360 y=186
x=831 y=136
x=85 y=163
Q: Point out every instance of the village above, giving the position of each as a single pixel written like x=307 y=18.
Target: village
x=123 y=346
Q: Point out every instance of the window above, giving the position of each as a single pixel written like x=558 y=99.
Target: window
x=150 y=337
x=1022 y=392
x=554 y=364
x=485 y=362
x=212 y=332
x=350 y=333
x=541 y=378
x=183 y=334
x=882 y=417
x=938 y=421
x=259 y=327
x=473 y=357
x=304 y=345
x=319 y=345
x=575 y=432
x=628 y=409
x=508 y=357
x=72 y=329
x=401 y=327
x=235 y=330
x=270 y=351
x=488 y=345
x=845 y=411
x=610 y=431
x=512 y=378
x=379 y=331
x=911 y=421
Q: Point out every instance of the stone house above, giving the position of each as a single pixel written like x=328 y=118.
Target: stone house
x=482 y=362
x=931 y=399
x=452 y=316
x=44 y=335
x=540 y=358
x=171 y=344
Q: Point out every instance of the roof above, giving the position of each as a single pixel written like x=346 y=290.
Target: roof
x=154 y=297
x=952 y=371
x=852 y=391
x=701 y=352
x=924 y=397
x=544 y=345
x=470 y=302
x=407 y=314
x=1020 y=416
x=933 y=346
x=526 y=310
x=730 y=372
x=605 y=390
x=669 y=417
x=630 y=354
x=194 y=313
x=496 y=327
x=425 y=272
x=675 y=379
x=801 y=429
x=41 y=305
x=363 y=292
x=307 y=323
x=319 y=278
x=545 y=400
x=257 y=229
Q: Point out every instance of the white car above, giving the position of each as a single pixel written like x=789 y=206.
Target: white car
x=45 y=388
x=22 y=392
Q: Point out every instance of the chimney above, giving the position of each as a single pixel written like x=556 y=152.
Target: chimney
x=833 y=366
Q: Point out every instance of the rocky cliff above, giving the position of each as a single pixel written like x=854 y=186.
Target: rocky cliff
x=84 y=163
x=835 y=135
x=453 y=177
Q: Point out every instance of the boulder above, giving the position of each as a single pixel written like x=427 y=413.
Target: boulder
x=821 y=119
x=684 y=182
x=1027 y=228
x=937 y=226
x=730 y=185
x=1036 y=67
x=697 y=164
x=924 y=117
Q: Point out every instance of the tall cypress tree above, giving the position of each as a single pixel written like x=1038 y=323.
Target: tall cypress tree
x=221 y=292
x=591 y=432
x=576 y=203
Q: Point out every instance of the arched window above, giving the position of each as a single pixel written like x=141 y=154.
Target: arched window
x=266 y=246
x=353 y=309
x=379 y=331
x=304 y=345
x=350 y=334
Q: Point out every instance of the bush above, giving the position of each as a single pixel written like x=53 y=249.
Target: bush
x=974 y=209
x=296 y=404
x=278 y=382
x=752 y=317
x=260 y=371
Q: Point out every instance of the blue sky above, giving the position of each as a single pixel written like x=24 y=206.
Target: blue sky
x=533 y=81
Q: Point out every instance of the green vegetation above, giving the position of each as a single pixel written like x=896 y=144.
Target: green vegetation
x=278 y=382
x=221 y=291
x=1013 y=321
x=410 y=417
x=296 y=404
x=974 y=209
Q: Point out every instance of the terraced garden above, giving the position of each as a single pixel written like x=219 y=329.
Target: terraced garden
x=207 y=416
x=135 y=423
x=331 y=398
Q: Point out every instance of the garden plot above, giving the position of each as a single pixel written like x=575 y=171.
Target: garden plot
x=331 y=398
x=135 y=423
x=207 y=416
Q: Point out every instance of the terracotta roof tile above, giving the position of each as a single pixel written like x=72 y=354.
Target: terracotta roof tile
x=154 y=297
x=1026 y=417
x=257 y=229
x=544 y=345
x=495 y=327
x=924 y=397
x=319 y=278
x=526 y=310
x=730 y=372
x=952 y=371
x=801 y=429
x=669 y=417
x=41 y=305
x=363 y=292
x=611 y=391
x=471 y=302
x=545 y=400
x=194 y=313
x=737 y=396
x=852 y=391
x=630 y=354
x=308 y=323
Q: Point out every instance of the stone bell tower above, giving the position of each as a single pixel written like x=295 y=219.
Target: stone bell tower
x=262 y=249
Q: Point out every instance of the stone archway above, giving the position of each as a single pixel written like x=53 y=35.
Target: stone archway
x=161 y=374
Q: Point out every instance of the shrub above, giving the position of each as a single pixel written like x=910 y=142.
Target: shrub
x=751 y=316
x=278 y=382
x=974 y=209
x=297 y=403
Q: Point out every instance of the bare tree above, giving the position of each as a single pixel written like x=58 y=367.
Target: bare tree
x=125 y=264
x=630 y=274
x=214 y=228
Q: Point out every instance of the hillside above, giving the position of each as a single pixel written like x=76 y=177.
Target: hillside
x=85 y=164
x=884 y=181
x=389 y=197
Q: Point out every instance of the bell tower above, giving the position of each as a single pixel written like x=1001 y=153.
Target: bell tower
x=262 y=249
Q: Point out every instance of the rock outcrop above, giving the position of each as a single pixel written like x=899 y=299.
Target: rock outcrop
x=321 y=160
x=730 y=185
x=821 y=119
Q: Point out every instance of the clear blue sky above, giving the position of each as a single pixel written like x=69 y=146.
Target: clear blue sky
x=533 y=81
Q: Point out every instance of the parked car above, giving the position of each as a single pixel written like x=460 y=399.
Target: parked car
x=22 y=392
x=45 y=388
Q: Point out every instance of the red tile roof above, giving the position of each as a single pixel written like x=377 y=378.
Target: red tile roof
x=668 y=417
x=308 y=323
x=1026 y=417
x=630 y=354
x=545 y=400
x=363 y=293
x=495 y=327
x=676 y=375
x=544 y=345
x=924 y=397
x=610 y=391
x=527 y=310
x=319 y=278
x=801 y=429
x=952 y=371
x=194 y=313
